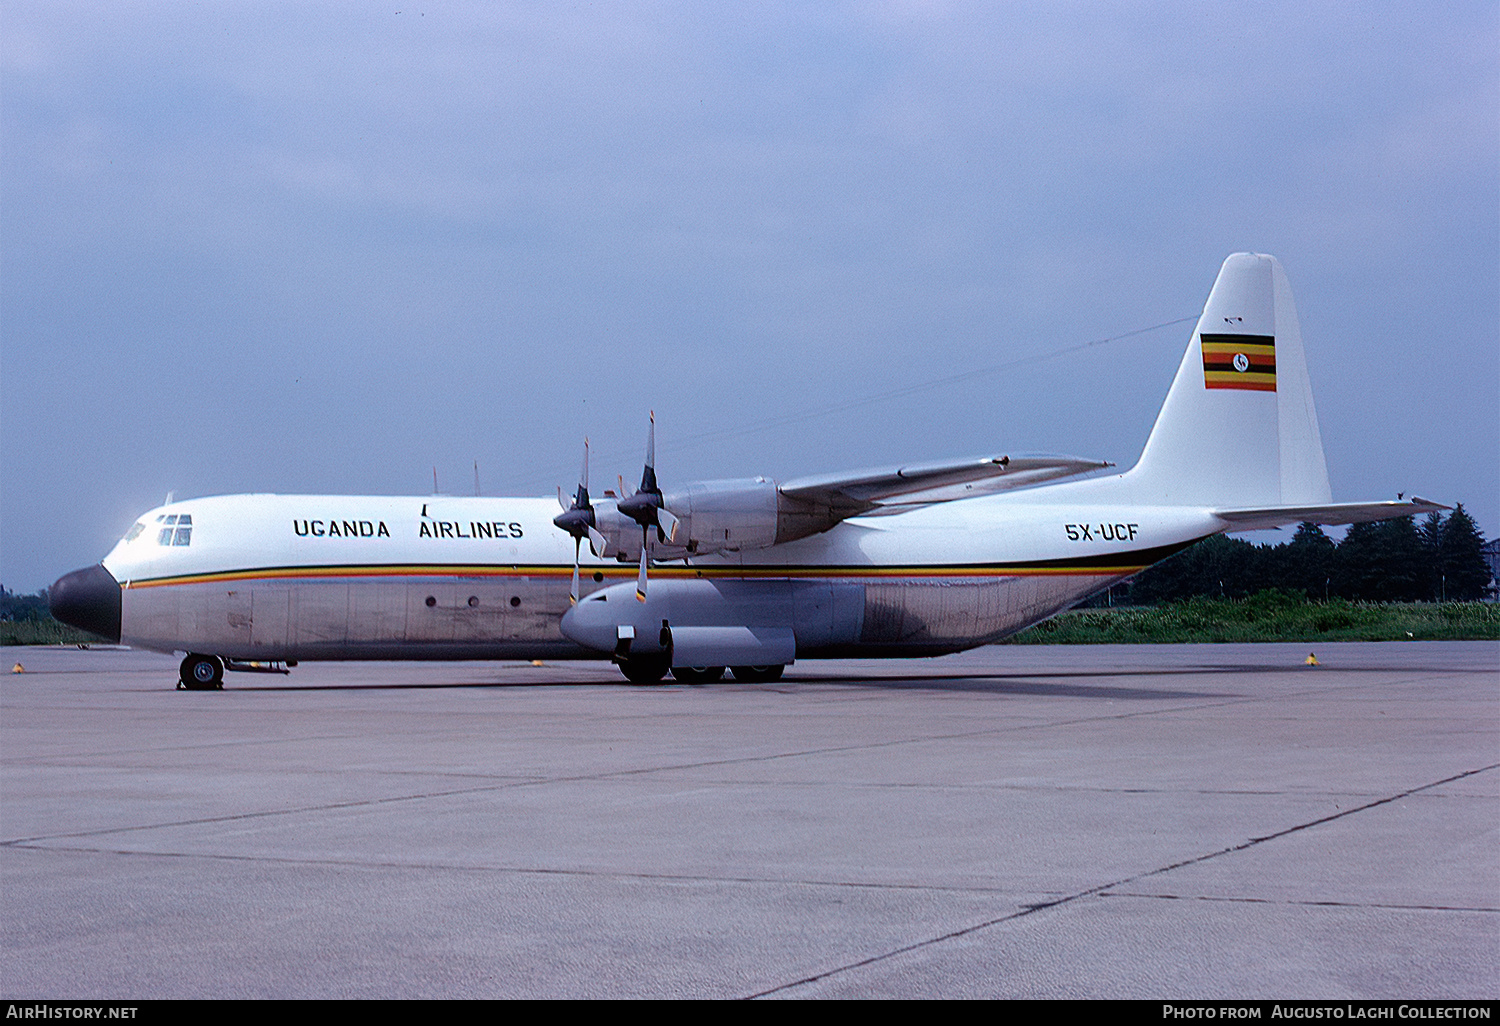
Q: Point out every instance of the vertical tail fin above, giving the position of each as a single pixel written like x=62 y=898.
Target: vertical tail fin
x=1238 y=428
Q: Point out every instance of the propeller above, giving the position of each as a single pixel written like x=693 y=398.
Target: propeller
x=578 y=521
x=646 y=508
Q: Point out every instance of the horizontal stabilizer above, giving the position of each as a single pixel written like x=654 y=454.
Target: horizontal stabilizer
x=919 y=484
x=1335 y=514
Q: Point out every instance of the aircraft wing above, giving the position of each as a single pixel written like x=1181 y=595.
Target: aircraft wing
x=899 y=488
x=1337 y=513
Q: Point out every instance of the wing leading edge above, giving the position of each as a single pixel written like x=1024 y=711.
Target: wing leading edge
x=899 y=488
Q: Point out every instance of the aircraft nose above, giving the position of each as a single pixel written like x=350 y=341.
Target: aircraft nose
x=88 y=599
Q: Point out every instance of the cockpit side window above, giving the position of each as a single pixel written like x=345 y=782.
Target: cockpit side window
x=135 y=532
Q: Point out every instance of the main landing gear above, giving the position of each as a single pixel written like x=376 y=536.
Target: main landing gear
x=201 y=673
x=644 y=669
x=651 y=669
x=757 y=674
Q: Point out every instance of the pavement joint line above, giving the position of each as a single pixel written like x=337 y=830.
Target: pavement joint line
x=727 y=879
x=242 y=816
x=613 y=874
x=214 y=746
x=1229 y=700
x=1099 y=890
x=1306 y=902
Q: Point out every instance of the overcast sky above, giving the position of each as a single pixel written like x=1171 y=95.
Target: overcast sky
x=327 y=247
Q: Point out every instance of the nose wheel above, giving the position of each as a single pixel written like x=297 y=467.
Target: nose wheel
x=201 y=673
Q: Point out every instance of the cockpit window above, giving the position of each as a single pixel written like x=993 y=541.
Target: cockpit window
x=181 y=534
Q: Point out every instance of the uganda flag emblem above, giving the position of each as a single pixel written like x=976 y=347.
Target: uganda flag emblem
x=1239 y=361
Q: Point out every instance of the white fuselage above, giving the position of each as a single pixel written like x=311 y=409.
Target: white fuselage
x=290 y=577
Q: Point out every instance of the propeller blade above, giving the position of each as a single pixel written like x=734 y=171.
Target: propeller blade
x=640 y=580
x=563 y=503
x=578 y=518
x=651 y=440
x=668 y=524
x=573 y=592
x=598 y=544
x=648 y=474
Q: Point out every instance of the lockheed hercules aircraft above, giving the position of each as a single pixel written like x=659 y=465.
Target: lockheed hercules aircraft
x=747 y=575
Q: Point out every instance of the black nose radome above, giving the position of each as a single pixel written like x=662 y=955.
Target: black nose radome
x=88 y=599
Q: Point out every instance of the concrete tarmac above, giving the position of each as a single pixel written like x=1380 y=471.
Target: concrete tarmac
x=1188 y=821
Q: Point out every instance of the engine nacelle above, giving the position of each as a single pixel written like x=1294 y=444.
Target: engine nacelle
x=726 y=516
x=717 y=516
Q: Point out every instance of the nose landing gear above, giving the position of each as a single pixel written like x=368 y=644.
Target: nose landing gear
x=201 y=673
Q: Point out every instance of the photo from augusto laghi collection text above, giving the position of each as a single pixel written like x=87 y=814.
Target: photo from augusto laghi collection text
x=1327 y=1010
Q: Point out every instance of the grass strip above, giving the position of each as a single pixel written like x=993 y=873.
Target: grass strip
x=1269 y=616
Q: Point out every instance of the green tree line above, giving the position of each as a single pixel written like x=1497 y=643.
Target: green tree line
x=1398 y=560
x=23 y=607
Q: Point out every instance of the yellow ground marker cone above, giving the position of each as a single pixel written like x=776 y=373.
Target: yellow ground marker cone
x=18 y=668
x=536 y=662
x=1311 y=660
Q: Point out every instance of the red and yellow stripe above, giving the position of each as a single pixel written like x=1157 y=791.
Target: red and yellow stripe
x=1239 y=361
x=1106 y=564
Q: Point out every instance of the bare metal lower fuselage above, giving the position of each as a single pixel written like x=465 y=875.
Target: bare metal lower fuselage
x=519 y=617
